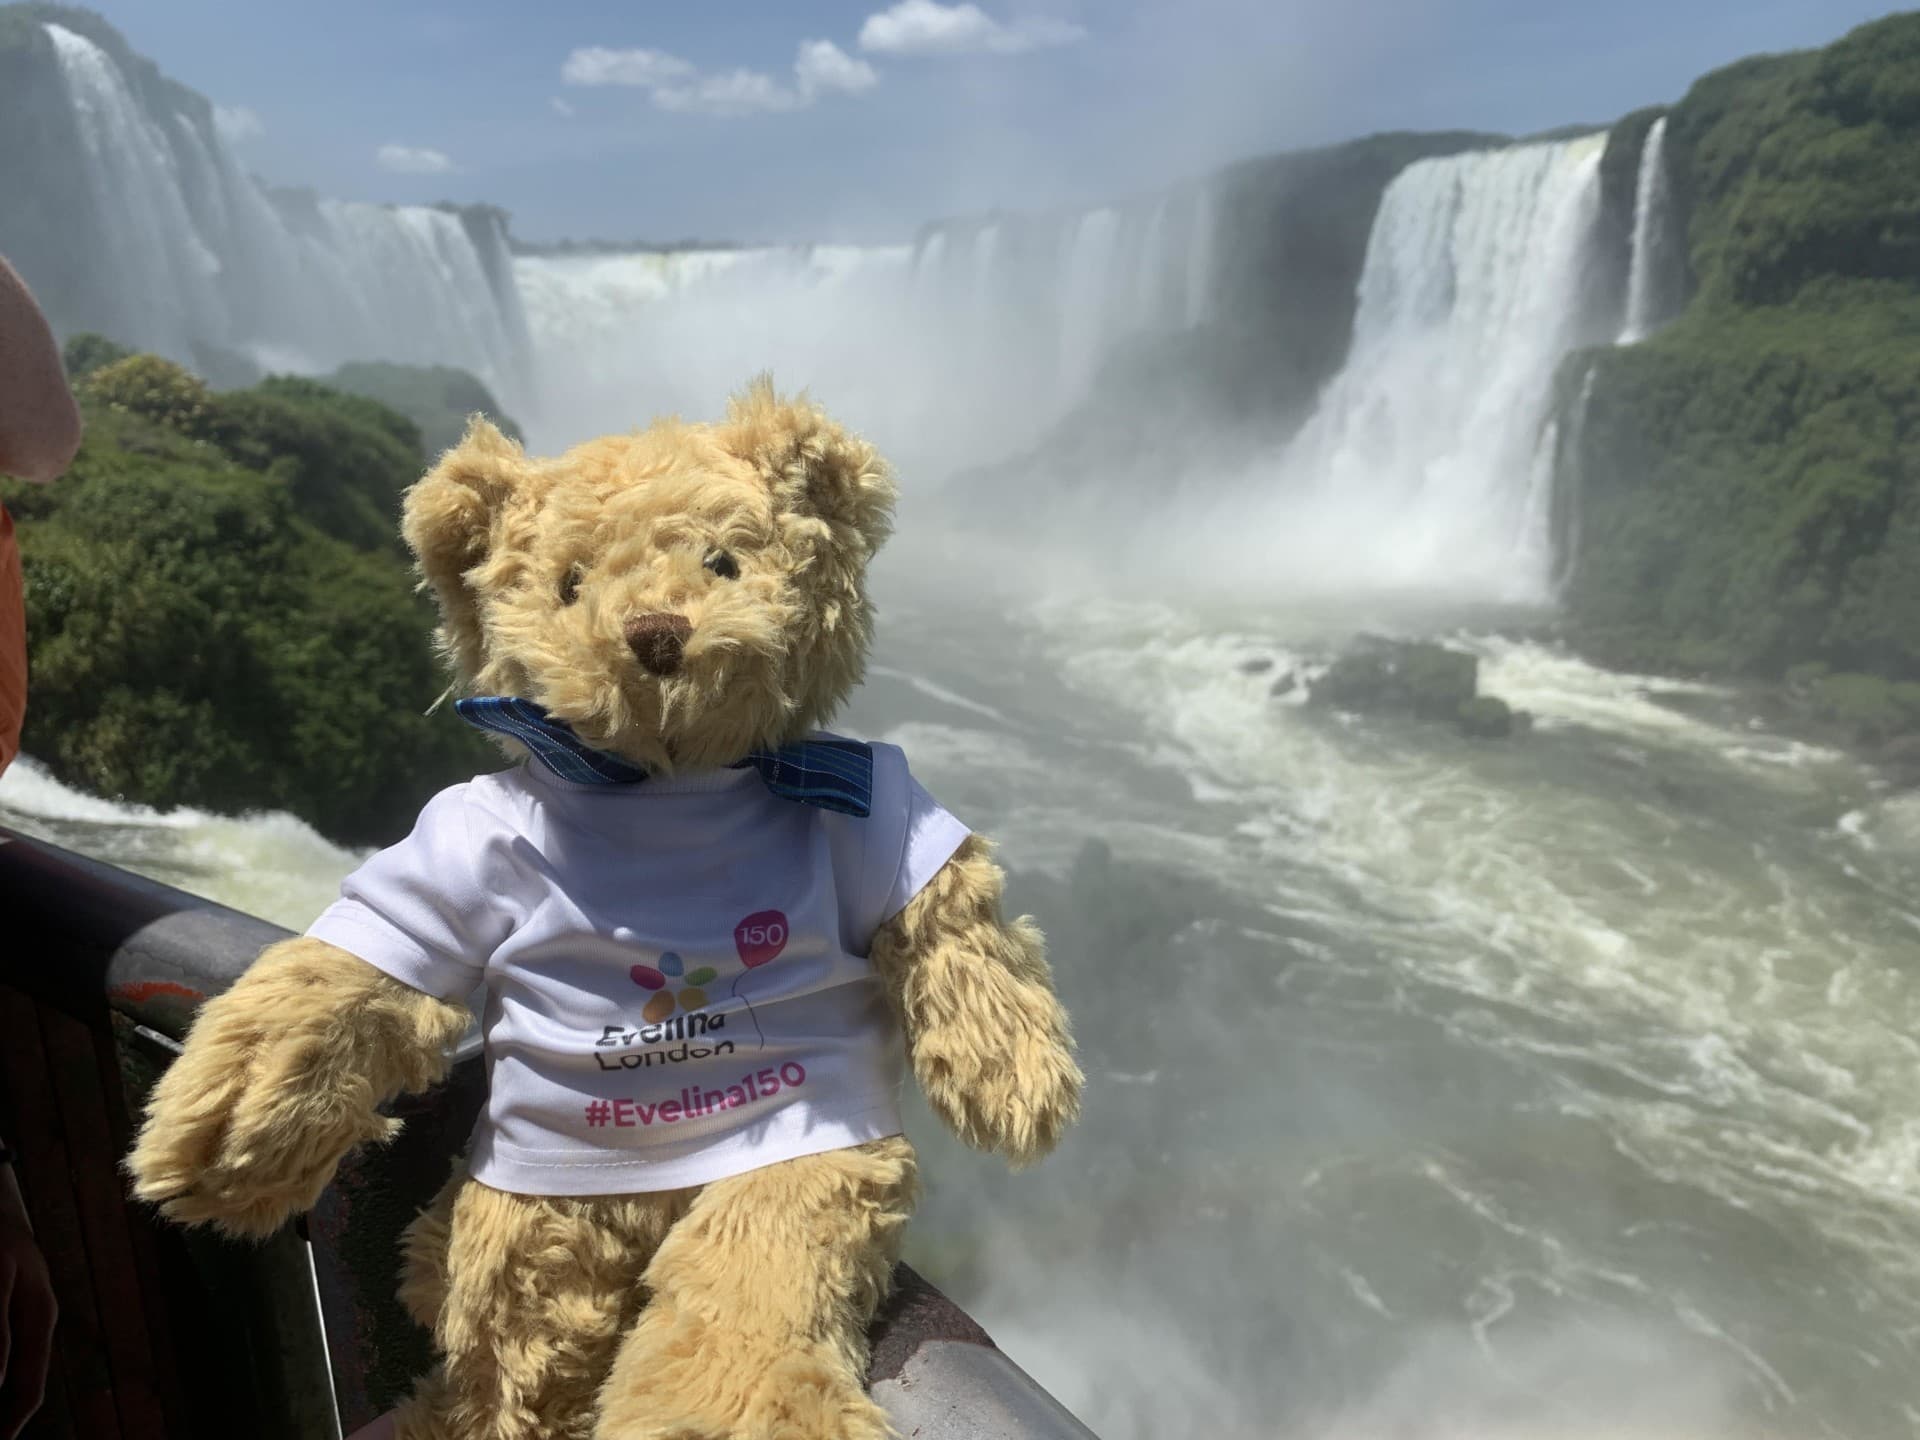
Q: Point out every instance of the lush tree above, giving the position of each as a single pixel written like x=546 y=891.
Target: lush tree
x=1745 y=487
x=86 y=352
x=436 y=398
x=220 y=615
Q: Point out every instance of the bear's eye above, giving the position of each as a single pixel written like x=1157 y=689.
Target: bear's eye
x=570 y=585
x=722 y=564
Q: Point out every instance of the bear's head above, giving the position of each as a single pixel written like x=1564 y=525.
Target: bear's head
x=680 y=595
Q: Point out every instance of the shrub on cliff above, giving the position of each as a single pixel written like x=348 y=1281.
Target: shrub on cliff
x=158 y=389
x=1797 y=166
x=1749 y=496
x=345 y=459
x=1746 y=486
x=86 y=352
x=221 y=619
x=436 y=398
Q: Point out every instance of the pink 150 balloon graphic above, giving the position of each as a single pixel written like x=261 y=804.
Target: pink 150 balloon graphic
x=759 y=939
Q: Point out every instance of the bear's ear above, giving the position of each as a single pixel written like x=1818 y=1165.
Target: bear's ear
x=813 y=465
x=450 y=520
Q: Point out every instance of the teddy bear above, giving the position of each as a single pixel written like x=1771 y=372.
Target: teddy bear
x=706 y=938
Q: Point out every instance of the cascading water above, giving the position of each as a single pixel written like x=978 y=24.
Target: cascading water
x=1564 y=458
x=986 y=250
x=1086 y=298
x=929 y=266
x=1417 y=470
x=168 y=273
x=1200 y=247
x=1650 y=274
x=195 y=253
x=1150 y=272
x=956 y=351
x=621 y=337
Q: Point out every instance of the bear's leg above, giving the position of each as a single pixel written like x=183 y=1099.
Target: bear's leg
x=761 y=1298
x=528 y=1298
x=423 y=1253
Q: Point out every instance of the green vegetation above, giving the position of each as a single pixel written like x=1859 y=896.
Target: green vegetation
x=1866 y=705
x=158 y=389
x=220 y=612
x=436 y=398
x=87 y=352
x=1747 y=483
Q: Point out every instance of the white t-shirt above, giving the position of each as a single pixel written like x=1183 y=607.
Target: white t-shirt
x=676 y=980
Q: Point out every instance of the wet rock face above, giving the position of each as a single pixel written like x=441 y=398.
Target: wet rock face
x=1416 y=679
x=1900 y=758
x=1486 y=718
x=1395 y=677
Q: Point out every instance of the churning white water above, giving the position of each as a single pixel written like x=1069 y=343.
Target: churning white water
x=195 y=252
x=1550 y=1090
x=270 y=864
x=1554 y=1089
x=1651 y=264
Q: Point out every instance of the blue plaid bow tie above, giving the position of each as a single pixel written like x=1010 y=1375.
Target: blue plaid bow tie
x=832 y=774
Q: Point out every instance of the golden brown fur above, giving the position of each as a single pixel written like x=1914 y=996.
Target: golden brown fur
x=733 y=1311
x=281 y=1077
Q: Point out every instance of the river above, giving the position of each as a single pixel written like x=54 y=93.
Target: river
x=1558 y=1086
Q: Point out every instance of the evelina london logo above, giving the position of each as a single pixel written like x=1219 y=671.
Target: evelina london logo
x=758 y=940
x=690 y=994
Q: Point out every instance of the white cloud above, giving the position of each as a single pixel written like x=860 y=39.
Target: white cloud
x=411 y=160
x=562 y=108
x=648 y=69
x=822 y=66
x=925 y=27
x=737 y=92
x=236 y=123
x=819 y=68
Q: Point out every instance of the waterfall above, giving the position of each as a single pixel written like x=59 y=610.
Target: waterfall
x=195 y=253
x=929 y=268
x=621 y=337
x=1201 y=243
x=1566 y=476
x=1650 y=297
x=1086 y=299
x=1420 y=465
x=1150 y=272
x=957 y=350
x=165 y=271
x=986 y=250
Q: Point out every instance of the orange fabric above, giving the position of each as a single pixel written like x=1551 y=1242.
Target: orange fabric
x=13 y=644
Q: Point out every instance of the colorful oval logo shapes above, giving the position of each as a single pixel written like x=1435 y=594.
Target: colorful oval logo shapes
x=760 y=937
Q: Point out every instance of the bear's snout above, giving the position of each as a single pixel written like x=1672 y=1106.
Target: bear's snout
x=658 y=641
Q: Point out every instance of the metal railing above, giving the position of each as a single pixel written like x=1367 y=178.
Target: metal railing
x=169 y=1333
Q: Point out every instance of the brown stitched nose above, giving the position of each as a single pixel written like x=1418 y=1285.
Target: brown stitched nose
x=658 y=641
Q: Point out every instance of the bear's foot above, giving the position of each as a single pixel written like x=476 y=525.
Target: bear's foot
x=679 y=1381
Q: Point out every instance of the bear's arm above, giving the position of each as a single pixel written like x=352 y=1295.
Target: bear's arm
x=280 y=1077
x=987 y=1036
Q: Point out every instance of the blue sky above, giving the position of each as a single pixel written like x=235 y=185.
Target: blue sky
x=730 y=119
